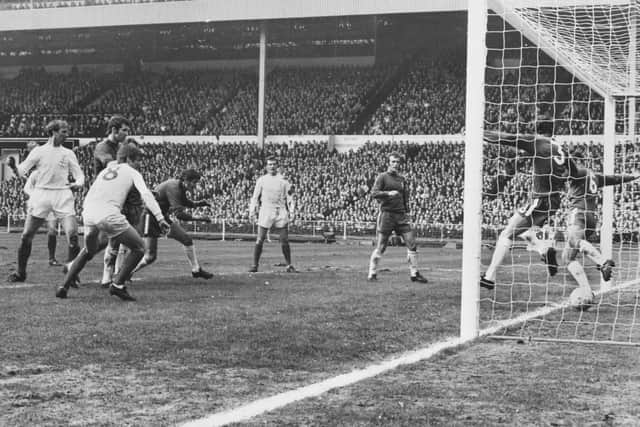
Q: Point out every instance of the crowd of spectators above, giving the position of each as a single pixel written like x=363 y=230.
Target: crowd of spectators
x=428 y=99
x=325 y=193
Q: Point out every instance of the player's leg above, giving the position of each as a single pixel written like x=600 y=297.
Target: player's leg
x=409 y=237
x=52 y=240
x=518 y=224
x=384 y=227
x=31 y=225
x=382 y=239
x=109 y=263
x=178 y=233
x=94 y=242
x=604 y=265
x=286 y=247
x=257 y=250
x=132 y=240
x=575 y=233
x=150 y=253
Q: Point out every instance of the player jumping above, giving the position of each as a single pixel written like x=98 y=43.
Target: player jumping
x=552 y=166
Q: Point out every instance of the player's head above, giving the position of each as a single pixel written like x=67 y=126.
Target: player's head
x=544 y=126
x=119 y=128
x=395 y=161
x=272 y=165
x=131 y=154
x=58 y=130
x=189 y=178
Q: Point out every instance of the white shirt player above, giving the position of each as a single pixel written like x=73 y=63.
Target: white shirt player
x=271 y=193
x=109 y=191
x=53 y=165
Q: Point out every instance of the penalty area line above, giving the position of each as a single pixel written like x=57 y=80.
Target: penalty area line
x=268 y=404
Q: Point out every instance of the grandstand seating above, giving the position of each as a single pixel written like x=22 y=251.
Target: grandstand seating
x=324 y=192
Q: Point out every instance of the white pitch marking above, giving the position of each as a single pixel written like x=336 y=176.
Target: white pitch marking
x=268 y=404
x=24 y=285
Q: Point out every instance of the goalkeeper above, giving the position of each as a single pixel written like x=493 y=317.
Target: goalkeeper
x=552 y=166
x=172 y=198
x=583 y=197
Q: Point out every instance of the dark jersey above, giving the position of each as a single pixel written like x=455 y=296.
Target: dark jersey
x=552 y=165
x=583 y=188
x=388 y=181
x=172 y=199
x=105 y=152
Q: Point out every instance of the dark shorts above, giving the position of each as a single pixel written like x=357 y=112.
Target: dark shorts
x=150 y=228
x=538 y=210
x=392 y=221
x=133 y=213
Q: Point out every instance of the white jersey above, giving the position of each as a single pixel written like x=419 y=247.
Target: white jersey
x=271 y=192
x=53 y=164
x=110 y=188
x=30 y=185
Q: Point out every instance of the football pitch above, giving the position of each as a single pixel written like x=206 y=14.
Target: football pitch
x=189 y=348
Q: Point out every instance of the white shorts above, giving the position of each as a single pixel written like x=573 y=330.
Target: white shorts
x=43 y=203
x=273 y=217
x=112 y=224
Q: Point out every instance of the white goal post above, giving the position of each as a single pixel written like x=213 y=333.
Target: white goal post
x=595 y=43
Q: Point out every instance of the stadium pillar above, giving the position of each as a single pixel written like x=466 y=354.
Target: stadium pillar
x=261 y=80
x=609 y=141
x=474 y=127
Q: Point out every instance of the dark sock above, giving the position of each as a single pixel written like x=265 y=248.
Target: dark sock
x=257 y=251
x=74 y=248
x=52 y=241
x=24 y=251
x=286 y=251
x=76 y=267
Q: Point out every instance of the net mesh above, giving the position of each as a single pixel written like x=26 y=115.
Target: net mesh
x=554 y=61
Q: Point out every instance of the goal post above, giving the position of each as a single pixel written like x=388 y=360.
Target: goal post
x=574 y=61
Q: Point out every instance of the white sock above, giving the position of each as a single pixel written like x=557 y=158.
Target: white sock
x=576 y=270
x=373 y=262
x=191 y=256
x=502 y=248
x=591 y=252
x=412 y=259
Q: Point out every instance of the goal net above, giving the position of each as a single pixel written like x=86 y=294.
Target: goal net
x=575 y=63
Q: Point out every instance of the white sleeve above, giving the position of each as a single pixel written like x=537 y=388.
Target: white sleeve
x=253 y=205
x=30 y=162
x=30 y=185
x=75 y=169
x=146 y=195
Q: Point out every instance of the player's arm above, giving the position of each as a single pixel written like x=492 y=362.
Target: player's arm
x=520 y=142
x=291 y=201
x=605 y=180
x=76 y=172
x=378 y=192
x=30 y=184
x=147 y=196
x=29 y=163
x=255 y=199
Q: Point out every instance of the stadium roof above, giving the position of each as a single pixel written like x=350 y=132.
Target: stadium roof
x=188 y=11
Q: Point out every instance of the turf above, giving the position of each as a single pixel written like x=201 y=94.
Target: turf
x=188 y=347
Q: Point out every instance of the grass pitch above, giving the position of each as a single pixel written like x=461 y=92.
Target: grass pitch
x=188 y=348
